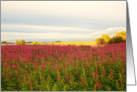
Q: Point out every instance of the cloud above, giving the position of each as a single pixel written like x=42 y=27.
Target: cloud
x=36 y=27
x=54 y=35
x=14 y=35
x=110 y=31
x=98 y=10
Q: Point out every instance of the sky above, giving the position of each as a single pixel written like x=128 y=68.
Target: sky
x=48 y=21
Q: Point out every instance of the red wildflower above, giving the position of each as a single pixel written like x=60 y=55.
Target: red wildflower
x=96 y=72
x=98 y=63
x=25 y=71
x=3 y=76
x=66 y=80
x=83 y=83
x=120 y=68
x=59 y=69
x=13 y=67
x=43 y=66
x=17 y=74
x=87 y=67
x=53 y=67
x=30 y=84
x=67 y=64
x=84 y=59
x=9 y=77
x=98 y=85
x=112 y=75
x=36 y=66
x=121 y=56
x=6 y=64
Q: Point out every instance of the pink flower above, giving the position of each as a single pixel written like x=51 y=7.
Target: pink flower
x=43 y=66
x=59 y=69
x=6 y=64
x=9 y=77
x=98 y=85
x=121 y=56
x=53 y=67
x=67 y=64
x=30 y=84
x=98 y=63
x=87 y=67
x=112 y=75
x=36 y=66
x=13 y=67
x=84 y=59
x=83 y=83
x=120 y=68
x=3 y=76
x=66 y=80
x=17 y=74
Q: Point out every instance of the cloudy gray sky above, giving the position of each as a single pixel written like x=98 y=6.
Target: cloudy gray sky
x=61 y=20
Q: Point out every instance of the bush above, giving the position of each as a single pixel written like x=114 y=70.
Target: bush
x=117 y=38
x=104 y=39
x=21 y=42
x=120 y=37
x=39 y=43
x=99 y=40
x=17 y=42
x=36 y=43
x=3 y=42
x=33 y=43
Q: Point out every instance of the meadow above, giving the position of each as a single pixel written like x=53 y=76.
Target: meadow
x=63 y=67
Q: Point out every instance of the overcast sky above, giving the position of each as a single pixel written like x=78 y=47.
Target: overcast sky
x=59 y=20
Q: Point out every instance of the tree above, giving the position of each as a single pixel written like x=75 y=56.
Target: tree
x=104 y=39
x=36 y=43
x=39 y=43
x=17 y=42
x=33 y=43
x=120 y=37
x=22 y=42
x=117 y=38
x=4 y=42
x=99 y=40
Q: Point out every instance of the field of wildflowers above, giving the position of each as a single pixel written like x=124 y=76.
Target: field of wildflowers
x=63 y=68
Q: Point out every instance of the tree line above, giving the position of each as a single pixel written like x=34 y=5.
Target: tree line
x=117 y=38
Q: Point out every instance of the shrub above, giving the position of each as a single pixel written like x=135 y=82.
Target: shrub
x=3 y=42
x=99 y=40
x=39 y=43
x=36 y=43
x=17 y=42
x=117 y=38
x=120 y=37
x=33 y=43
x=103 y=39
x=22 y=42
